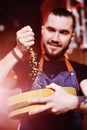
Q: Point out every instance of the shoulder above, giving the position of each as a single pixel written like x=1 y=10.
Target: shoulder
x=80 y=70
x=78 y=65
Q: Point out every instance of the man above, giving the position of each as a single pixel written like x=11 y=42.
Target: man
x=61 y=110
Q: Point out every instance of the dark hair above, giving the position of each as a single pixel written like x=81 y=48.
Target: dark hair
x=62 y=12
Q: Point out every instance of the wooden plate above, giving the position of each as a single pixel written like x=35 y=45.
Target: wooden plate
x=18 y=106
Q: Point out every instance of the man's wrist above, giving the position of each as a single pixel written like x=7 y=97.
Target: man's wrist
x=85 y=101
x=17 y=54
x=82 y=100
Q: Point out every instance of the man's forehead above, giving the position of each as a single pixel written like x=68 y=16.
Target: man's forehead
x=59 y=21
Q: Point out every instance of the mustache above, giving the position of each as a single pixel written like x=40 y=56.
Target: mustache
x=55 y=43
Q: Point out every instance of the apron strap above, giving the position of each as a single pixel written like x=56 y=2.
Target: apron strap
x=69 y=66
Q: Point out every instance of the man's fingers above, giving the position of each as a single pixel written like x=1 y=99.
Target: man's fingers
x=43 y=108
x=38 y=100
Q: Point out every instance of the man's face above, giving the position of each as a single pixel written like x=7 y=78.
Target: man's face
x=57 y=33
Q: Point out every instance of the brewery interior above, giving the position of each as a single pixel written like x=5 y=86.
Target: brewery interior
x=15 y=14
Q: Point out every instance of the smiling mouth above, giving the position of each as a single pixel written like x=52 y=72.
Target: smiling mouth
x=54 y=44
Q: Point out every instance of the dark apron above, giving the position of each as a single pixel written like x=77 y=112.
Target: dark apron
x=64 y=79
x=69 y=121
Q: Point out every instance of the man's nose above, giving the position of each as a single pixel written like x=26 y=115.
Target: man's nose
x=56 y=36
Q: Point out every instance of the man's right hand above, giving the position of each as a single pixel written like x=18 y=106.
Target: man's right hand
x=25 y=38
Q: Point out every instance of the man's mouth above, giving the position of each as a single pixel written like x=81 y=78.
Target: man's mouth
x=54 y=44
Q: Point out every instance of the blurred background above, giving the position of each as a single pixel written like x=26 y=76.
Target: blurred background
x=14 y=14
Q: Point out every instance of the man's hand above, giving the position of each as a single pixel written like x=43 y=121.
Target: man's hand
x=58 y=103
x=25 y=38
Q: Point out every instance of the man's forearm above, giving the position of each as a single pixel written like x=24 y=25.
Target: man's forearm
x=8 y=62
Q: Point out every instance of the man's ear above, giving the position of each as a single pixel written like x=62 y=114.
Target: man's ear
x=73 y=36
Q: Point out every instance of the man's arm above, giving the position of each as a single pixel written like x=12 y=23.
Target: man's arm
x=25 y=39
x=83 y=85
x=7 y=63
x=82 y=100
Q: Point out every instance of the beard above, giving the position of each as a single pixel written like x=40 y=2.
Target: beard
x=56 y=56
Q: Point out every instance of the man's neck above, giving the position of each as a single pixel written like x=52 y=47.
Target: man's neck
x=53 y=58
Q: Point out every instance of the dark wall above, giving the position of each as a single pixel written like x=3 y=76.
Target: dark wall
x=15 y=14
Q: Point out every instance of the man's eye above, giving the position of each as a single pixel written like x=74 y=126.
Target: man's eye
x=65 y=32
x=50 y=29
